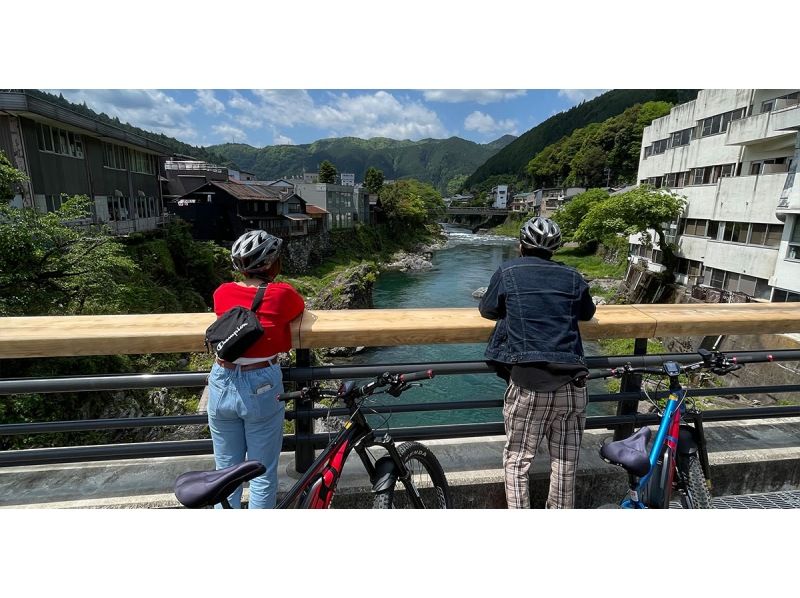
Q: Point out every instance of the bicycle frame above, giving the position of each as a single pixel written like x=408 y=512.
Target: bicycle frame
x=657 y=483
x=317 y=486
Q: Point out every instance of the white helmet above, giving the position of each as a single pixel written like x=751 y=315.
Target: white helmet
x=540 y=233
x=255 y=251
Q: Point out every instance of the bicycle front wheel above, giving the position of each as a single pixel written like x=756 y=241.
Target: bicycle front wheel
x=427 y=477
x=697 y=495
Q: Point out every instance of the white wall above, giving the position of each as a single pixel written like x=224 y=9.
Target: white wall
x=745 y=259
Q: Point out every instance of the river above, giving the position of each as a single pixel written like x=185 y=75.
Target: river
x=465 y=264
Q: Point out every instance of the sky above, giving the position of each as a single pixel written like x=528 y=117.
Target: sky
x=262 y=117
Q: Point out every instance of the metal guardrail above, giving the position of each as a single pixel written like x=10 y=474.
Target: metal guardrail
x=305 y=441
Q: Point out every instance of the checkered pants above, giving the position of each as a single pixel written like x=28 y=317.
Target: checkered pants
x=559 y=416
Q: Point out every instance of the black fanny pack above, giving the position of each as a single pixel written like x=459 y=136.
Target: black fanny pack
x=235 y=331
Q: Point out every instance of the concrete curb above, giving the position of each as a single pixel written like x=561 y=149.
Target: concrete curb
x=745 y=456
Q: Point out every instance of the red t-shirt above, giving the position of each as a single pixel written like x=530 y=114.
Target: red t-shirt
x=281 y=304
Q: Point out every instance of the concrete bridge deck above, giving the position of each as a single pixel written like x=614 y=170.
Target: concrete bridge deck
x=746 y=457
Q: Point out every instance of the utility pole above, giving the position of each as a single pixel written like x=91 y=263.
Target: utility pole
x=608 y=177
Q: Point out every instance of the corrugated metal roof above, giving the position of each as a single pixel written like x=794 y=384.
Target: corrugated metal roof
x=312 y=209
x=249 y=192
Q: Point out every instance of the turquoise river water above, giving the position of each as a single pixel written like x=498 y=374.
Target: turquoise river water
x=465 y=264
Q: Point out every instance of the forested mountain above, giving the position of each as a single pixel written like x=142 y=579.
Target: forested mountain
x=513 y=159
x=598 y=153
x=434 y=161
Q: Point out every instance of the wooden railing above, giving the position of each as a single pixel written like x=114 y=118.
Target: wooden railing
x=54 y=336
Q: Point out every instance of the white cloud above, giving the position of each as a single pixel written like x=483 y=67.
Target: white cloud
x=378 y=114
x=481 y=96
x=576 y=96
x=229 y=133
x=209 y=103
x=151 y=110
x=279 y=139
x=487 y=125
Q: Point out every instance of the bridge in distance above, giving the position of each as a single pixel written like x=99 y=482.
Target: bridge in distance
x=470 y=211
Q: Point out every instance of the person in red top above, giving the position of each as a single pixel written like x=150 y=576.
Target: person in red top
x=244 y=415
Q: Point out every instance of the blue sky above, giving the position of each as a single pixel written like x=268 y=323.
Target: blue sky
x=272 y=117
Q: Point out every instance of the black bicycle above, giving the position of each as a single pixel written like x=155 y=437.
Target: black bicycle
x=422 y=483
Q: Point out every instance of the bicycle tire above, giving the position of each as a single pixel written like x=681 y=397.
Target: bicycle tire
x=698 y=495
x=422 y=464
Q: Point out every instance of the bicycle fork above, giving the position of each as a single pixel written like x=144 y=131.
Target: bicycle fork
x=388 y=469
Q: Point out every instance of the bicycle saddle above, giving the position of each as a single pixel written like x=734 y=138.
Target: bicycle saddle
x=630 y=453
x=198 y=489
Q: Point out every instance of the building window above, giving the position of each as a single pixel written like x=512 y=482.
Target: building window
x=771 y=165
x=143 y=163
x=714 y=125
x=735 y=232
x=713 y=229
x=783 y=296
x=791 y=99
x=59 y=141
x=54 y=201
x=708 y=175
x=794 y=241
x=695 y=227
x=682 y=137
x=115 y=156
x=660 y=146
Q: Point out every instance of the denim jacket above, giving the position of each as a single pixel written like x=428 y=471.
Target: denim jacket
x=537 y=304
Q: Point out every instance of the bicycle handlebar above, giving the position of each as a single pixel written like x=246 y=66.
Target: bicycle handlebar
x=414 y=376
x=397 y=383
x=715 y=362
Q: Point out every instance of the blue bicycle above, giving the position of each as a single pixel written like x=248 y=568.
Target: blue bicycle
x=677 y=460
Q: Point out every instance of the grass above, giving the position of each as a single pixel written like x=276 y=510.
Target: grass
x=624 y=346
x=598 y=291
x=590 y=265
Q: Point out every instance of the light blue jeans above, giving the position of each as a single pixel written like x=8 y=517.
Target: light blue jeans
x=246 y=419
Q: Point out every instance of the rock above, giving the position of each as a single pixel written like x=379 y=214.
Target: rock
x=352 y=289
x=478 y=293
x=599 y=300
x=342 y=351
x=404 y=262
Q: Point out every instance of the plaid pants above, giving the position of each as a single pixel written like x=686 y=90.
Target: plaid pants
x=560 y=416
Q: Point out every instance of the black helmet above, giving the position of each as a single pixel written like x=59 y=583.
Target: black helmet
x=540 y=233
x=255 y=251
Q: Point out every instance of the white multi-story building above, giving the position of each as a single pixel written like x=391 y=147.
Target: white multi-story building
x=348 y=179
x=500 y=197
x=733 y=154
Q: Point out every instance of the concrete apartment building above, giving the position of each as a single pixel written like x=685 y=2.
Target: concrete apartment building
x=342 y=202
x=65 y=153
x=733 y=154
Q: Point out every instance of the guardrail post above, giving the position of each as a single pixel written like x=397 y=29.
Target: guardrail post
x=304 y=423
x=630 y=383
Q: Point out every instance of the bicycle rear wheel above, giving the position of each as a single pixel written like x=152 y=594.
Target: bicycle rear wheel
x=427 y=477
x=697 y=495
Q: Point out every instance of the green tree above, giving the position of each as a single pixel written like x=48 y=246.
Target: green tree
x=410 y=203
x=572 y=214
x=456 y=184
x=637 y=211
x=48 y=267
x=327 y=172
x=373 y=179
x=10 y=178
